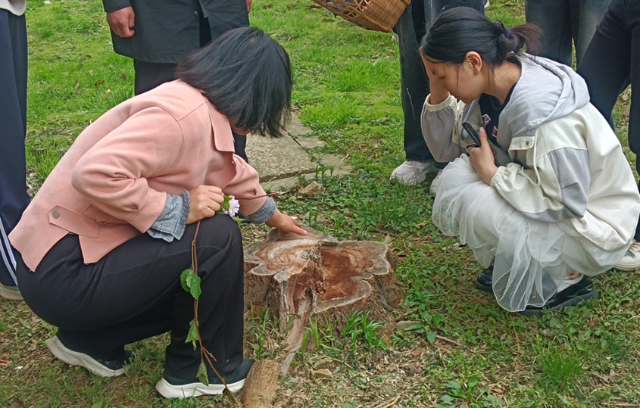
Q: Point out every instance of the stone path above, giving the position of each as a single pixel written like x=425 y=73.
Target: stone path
x=280 y=162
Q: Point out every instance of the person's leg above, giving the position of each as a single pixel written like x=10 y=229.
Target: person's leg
x=585 y=17
x=134 y=292
x=13 y=110
x=414 y=84
x=606 y=63
x=552 y=16
x=150 y=74
x=633 y=17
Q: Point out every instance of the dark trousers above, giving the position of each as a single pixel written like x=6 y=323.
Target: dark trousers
x=414 y=82
x=134 y=292
x=13 y=126
x=612 y=62
x=563 y=21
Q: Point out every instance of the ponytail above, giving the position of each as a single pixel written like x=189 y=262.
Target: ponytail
x=462 y=29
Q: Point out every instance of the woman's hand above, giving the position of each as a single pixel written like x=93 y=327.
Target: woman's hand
x=205 y=202
x=285 y=223
x=439 y=92
x=481 y=158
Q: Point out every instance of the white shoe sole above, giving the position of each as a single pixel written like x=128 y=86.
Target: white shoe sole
x=194 y=389
x=9 y=294
x=79 y=359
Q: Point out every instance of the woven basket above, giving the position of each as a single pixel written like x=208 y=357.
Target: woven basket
x=377 y=15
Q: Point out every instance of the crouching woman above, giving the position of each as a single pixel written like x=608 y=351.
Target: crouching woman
x=104 y=242
x=547 y=199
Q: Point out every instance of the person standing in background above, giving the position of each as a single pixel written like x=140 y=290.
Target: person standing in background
x=563 y=21
x=158 y=34
x=13 y=127
x=411 y=27
x=610 y=64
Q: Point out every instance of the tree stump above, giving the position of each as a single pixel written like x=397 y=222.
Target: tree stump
x=301 y=276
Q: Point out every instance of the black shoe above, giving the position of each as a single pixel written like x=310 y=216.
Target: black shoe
x=101 y=367
x=485 y=280
x=172 y=387
x=570 y=296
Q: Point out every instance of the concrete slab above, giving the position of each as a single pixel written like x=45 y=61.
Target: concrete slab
x=280 y=162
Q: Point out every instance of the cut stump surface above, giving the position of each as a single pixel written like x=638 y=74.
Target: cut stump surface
x=301 y=276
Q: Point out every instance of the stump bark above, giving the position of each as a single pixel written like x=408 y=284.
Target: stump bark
x=302 y=276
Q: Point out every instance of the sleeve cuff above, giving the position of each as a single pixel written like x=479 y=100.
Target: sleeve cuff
x=265 y=212
x=113 y=5
x=450 y=101
x=172 y=221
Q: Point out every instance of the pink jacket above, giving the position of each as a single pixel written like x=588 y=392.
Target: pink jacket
x=110 y=186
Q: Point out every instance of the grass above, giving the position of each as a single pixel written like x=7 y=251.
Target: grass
x=347 y=91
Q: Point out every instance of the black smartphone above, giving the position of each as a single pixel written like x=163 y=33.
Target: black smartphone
x=472 y=133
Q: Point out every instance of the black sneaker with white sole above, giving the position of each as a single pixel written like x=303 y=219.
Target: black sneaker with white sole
x=98 y=366
x=571 y=296
x=171 y=387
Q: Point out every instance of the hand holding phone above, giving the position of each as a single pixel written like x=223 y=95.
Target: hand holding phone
x=472 y=133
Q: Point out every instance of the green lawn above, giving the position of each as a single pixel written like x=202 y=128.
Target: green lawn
x=347 y=91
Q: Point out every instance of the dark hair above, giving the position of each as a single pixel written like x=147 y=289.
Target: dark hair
x=462 y=29
x=247 y=76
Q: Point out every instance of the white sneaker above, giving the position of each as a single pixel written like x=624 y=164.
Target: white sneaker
x=10 y=292
x=103 y=368
x=412 y=172
x=631 y=260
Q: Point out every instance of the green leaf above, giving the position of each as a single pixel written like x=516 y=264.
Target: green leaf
x=348 y=405
x=183 y=279
x=192 y=336
x=226 y=205
x=227 y=198
x=202 y=374
x=193 y=281
x=473 y=382
x=453 y=385
x=431 y=336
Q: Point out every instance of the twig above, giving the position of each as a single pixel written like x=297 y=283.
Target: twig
x=409 y=313
x=622 y=405
x=343 y=159
x=439 y=337
x=389 y=403
x=600 y=377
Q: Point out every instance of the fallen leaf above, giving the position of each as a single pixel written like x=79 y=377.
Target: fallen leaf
x=98 y=82
x=84 y=57
x=108 y=91
x=77 y=85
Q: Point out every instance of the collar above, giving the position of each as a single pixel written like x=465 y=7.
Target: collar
x=221 y=128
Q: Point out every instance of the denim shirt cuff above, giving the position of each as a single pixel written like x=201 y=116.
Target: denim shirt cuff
x=265 y=212
x=172 y=222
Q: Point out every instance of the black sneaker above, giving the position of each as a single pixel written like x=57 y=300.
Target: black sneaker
x=101 y=367
x=172 y=387
x=485 y=280
x=570 y=296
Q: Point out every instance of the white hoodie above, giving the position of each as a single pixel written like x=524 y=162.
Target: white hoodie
x=558 y=158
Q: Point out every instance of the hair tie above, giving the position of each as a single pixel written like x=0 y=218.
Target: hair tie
x=508 y=33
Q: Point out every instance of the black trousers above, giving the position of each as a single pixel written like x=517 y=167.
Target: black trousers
x=13 y=127
x=612 y=62
x=411 y=27
x=134 y=292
